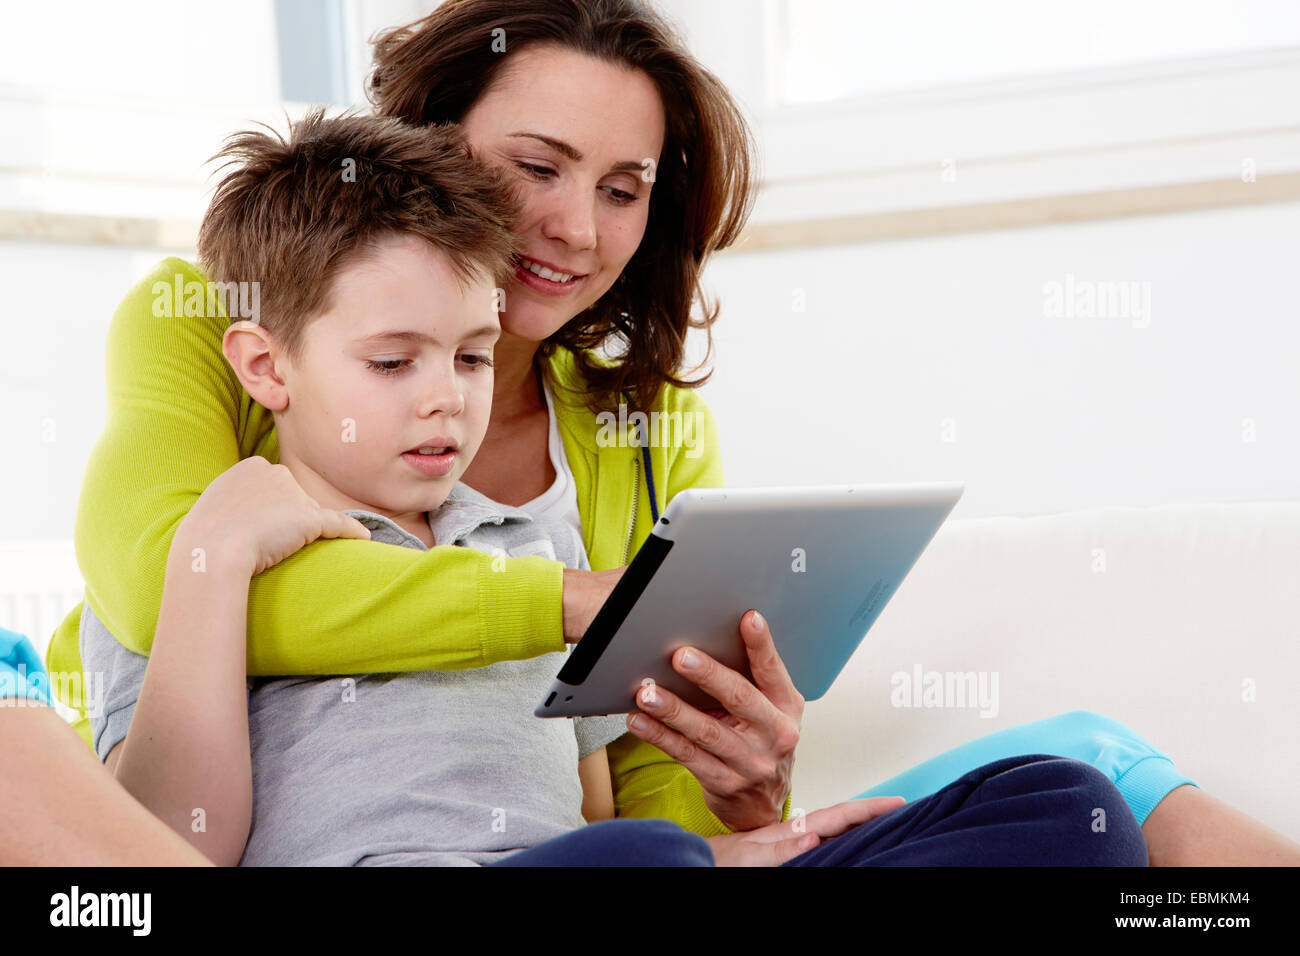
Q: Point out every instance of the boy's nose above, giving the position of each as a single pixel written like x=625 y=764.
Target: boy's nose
x=444 y=396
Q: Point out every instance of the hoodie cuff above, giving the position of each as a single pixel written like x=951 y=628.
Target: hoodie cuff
x=1148 y=782
x=521 y=610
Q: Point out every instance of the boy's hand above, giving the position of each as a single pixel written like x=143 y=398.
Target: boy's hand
x=256 y=515
x=776 y=843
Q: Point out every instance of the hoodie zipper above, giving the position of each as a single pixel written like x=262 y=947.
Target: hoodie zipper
x=636 y=496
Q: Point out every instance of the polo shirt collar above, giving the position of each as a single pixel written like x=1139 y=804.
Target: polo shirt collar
x=464 y=511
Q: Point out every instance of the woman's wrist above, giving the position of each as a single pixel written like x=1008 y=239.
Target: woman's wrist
x=584 y=592
x=570 y=598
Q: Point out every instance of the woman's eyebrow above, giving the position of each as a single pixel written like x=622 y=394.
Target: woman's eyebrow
x=568 y=152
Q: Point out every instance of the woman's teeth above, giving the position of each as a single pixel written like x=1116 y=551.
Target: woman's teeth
x=544 y=272
x=431 y=451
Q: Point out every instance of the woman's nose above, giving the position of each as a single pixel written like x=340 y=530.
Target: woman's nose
x=572 y=218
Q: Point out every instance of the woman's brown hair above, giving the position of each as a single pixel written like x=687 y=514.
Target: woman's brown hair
x=295 y=211
x=432 y=72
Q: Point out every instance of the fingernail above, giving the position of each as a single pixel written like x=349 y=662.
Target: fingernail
x=689 y=660
x=649 y=697
x=758 y=620
x=637 y=723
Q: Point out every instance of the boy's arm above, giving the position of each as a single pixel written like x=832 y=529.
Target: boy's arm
x=186 y=754
x=594 y=734
x=597 y=789
x=178 y=418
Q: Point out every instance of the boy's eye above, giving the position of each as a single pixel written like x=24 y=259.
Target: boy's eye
x=396 y=366
x=383 y=366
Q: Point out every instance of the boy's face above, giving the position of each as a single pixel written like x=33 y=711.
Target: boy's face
x=360 y=405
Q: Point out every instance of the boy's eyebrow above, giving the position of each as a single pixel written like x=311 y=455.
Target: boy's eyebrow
x=568 y=152
x=419 y=338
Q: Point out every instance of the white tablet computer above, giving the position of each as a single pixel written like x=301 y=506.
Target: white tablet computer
x=820 y=563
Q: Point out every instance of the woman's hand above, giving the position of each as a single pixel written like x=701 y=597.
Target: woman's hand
x=584 y=593
x=776 y=843
x=256 y=515
x=743 y=756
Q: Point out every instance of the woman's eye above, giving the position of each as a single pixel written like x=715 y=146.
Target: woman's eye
x=382 y=366
x=621 y=197
x=478 y=361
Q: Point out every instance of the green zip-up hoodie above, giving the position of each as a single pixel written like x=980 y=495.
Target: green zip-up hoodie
x=178 y=417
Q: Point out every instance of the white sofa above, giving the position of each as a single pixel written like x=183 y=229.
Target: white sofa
x=1167 y=619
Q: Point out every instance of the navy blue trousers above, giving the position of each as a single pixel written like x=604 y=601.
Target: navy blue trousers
x=1034 y=810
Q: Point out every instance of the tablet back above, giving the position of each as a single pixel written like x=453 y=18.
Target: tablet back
x=820 y=563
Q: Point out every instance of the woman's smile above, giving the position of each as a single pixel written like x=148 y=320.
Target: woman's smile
x=528 y=272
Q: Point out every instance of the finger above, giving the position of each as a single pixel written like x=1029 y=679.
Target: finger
x=729 y=688
x=766 y=666
x=828 y=822
x=711 y=772
x=834 y=820
x=335 y=524
x=704 y=730
x=785 y=850
x=778 y=832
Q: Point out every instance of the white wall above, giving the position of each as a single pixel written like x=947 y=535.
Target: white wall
x=1048 y=414
x=58 y=302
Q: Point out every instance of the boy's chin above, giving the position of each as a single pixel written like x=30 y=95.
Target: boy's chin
x=408 y=501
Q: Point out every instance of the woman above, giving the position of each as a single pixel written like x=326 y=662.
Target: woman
x=634 y=165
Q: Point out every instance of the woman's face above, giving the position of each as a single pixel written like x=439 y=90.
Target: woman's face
x=582 y=138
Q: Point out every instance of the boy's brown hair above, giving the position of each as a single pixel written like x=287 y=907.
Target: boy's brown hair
x=296 y=211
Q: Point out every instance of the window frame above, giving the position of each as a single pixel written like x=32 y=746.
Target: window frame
x=1175 y=134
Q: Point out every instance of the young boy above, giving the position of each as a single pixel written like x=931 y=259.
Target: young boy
x=374 y=251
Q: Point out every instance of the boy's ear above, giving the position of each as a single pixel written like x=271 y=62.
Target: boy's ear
x=253 y=354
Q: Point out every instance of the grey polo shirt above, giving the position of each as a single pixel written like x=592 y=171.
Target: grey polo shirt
x=423 y=768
